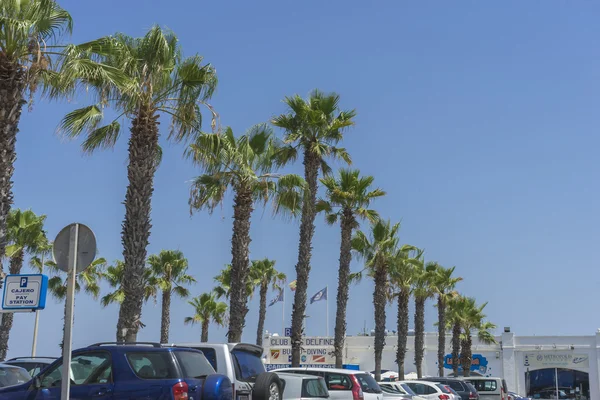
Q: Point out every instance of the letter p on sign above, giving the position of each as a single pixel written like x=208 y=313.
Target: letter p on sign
x=23 y=283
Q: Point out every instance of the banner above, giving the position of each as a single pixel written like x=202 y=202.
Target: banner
x=554 y=359
x=317 y=351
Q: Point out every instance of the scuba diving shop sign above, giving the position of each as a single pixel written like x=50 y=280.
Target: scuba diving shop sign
x=478 y=363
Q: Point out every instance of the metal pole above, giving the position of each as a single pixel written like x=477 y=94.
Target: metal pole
x=283 y=312
x=66 y=370
x=37 y=321
x=327 y=309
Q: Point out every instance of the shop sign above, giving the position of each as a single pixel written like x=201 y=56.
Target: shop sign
x=556 y=360
x=478 y=363
x=311 y=355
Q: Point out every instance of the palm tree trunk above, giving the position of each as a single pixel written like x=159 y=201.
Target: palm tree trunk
x=307 y=230
x=16 y=263
x=466 y=355
x=262 y=313
x=143 y=145
x=419 y=334
x=204 y=336
x=441 y=334
x=165 y=321
x=240 y=248
x=403 y=299
x=379 y=302
x=347 y=224
x=455 y=348
x=12 y=86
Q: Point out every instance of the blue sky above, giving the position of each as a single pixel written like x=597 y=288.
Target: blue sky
x=479 y=119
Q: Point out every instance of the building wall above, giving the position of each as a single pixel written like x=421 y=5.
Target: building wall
x=510 y=358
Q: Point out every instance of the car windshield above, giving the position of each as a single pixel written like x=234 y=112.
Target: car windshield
x=194 y=365
x=368 y=383
x=315 y=387
x=248 y=365
x=408 y=389
x=10 y=376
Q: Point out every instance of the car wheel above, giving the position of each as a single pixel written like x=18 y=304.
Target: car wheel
x=267 y=387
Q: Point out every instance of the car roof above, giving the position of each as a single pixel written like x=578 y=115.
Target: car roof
x=290 y=375
x=334 y=370
x=3 y=365
x=33 y=359
x=230 y=346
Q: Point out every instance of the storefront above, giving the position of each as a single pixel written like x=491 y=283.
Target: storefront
x=540 y=367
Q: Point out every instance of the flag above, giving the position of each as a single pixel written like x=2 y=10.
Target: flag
x=292 y=286
x=320 y=295
x=277 y=299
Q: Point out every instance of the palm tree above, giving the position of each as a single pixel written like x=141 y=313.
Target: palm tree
x=25 y=234
x=422 y=290
x=88 y=279
x=378 y=253
x=246 y=165
x=314 y=126
x=28 y=29
x=453 y=324
x=348 y=199
x=403 y=273
x=206 y=310
x=444 y=284
x=473 y=319
x=264 y=275
x=223 y=280
x=168 y=274
x=144 y=78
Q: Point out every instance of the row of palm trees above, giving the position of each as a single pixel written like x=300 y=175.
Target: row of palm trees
x=147 y=78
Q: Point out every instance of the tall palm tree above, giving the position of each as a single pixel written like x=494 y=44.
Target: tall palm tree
x=454 y=324
x=403 y=273
x=28 y=32
x=422 y=291
x=145 y=78
x=378 y=253
x=223 y=280
x=314 y=126
x=168 y=275
x=25 y=234
x=88 y=279
x=264 y=275
x=206 y=310
x=246 y=166
x=347 y=198
x=443 y=284
x=473 y=319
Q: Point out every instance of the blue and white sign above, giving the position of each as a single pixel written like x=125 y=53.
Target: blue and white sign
x=288 y=332
x=25 y=292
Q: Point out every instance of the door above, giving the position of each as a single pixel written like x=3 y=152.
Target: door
x=91 y=378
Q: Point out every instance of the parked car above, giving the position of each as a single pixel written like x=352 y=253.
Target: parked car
x=303 y=387
x=344 y=384
x=33 y=365
x=392 y=393
x=242 y=364
x=516 y=396
x=489 y=388
x=402 y=387
x=11 y=375
x=431 y=390
x=460 y=387
x=107 y=371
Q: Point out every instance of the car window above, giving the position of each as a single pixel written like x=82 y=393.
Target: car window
x=418 y=388
x=248 y=365
x=88 y=368
x=430 y=390
x=194 y=365
x=456 y=386
x=367 y=383
x=10 y=376
x=210 y=354
x=485 y=385
x=338 y=381
x=152 y=365
x=443 y=388
x=314 y=388
x=408 y=389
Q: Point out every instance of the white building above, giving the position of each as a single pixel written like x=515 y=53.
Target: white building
x=529 y=364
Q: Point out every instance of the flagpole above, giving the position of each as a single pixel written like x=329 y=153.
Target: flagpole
x=282 y=312
x=327 y=309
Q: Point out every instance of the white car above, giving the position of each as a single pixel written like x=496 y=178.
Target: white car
x=431 y=390
x=402 y=388
x=343 y=384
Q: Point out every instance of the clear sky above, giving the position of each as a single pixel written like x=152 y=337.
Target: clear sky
x=480 y=120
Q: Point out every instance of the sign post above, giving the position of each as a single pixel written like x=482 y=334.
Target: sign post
x=74 y=250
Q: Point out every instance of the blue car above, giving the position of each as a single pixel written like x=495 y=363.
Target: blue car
x=128 y=372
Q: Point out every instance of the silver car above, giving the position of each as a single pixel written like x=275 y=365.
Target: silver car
x=305 y=387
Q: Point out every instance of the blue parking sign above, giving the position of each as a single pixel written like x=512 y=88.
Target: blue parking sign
x=288 y=332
